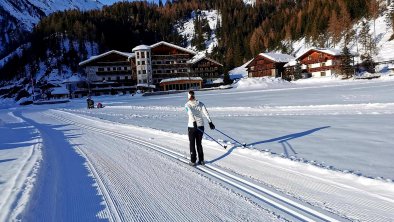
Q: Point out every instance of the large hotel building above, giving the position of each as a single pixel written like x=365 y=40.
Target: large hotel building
x=163 y=66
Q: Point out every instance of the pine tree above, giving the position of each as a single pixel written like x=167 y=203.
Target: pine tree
x=297 y=71
x=367 y=63
x=346 y=68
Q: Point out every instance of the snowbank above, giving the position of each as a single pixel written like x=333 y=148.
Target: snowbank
x=261 y=83
x=239 y=72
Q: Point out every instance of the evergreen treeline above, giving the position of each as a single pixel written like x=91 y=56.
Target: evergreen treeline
x=243 y=31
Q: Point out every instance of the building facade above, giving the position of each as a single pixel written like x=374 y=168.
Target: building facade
x=147 y=66
x=321 y=62
x=268 y=65
x=317 y=62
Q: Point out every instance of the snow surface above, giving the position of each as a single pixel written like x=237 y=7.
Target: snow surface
x=186 y=28
x=325 y=144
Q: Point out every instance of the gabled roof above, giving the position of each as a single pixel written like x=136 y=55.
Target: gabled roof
x=278 y=57
x=274 y=57
x=333 y=52
x=141 y=47
x=200 y=57
x=173 y=46
x=125 y=54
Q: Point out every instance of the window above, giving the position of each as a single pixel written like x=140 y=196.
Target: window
x=143 y=71
x=138 y=63
x=126 y=77
x=142 y=55
x=143 y=62
x=139 y=71
x=323 y=64
x=125 y=68
x=118 y=78
x=109 y=78
x=113 y=68
x=138 y=55
x=119 y=68
x=108 y=69
x=100 y=69
x=147 y=54
x=323 y=74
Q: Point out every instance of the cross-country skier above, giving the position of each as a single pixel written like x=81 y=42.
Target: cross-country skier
x=195 y=110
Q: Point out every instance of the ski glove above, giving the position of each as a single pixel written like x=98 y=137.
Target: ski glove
x=211 y=126
x=195 y=125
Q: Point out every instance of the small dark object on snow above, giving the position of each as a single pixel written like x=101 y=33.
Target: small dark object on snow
x=90 y=103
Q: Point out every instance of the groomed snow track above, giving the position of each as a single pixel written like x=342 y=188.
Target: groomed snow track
x=281 y=205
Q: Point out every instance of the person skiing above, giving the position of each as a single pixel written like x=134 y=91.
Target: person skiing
x=195 y=110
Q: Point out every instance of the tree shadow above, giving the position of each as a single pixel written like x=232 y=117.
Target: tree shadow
x=283 y=140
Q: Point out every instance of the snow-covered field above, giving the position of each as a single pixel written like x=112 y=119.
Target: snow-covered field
x=323 y=144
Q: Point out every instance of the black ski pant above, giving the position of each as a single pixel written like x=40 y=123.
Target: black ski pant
x=195 y=137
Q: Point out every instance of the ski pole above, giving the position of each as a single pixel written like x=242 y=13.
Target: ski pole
x=224 y=146
x=242 y=144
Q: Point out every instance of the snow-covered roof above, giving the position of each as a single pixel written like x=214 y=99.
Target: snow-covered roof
x=200 y=57
x=141 y=47
x=59 y=91
x=219 y=80
x=329 y=51
x=174 y=46
x=125 y=54
x=146 y=85
x=278 y=57
x=180 y=79
x=291 y=63
x=74 y=79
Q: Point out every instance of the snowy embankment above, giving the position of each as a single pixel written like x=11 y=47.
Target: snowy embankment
x=20 y=155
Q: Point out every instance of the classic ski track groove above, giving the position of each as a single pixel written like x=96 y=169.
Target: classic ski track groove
x=107 y=198
x=241 y=184
x=113 y=212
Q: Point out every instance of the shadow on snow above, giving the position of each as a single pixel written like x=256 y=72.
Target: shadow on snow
x=283 y=140
x=64 y=190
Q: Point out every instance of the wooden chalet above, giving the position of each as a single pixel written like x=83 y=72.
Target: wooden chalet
x=268 y=64
x=321 y=62
x=206 y=68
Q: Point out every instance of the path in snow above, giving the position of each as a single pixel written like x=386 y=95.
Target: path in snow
x=334 y=191
x=64 y=190
x=142 y=184
x=20 y=153
x=342 y=125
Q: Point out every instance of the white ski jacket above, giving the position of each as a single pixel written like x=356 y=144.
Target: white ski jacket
x=195 y=109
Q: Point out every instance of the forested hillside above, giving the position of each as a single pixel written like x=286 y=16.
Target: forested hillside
x=244 y=30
